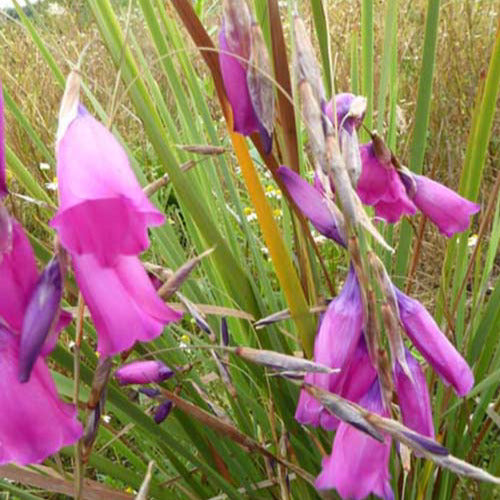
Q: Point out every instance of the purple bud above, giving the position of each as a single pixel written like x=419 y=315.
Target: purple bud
x=224 y=332
x=143 y=372
x=40 y=317
x=149 y=392
x=162 y=411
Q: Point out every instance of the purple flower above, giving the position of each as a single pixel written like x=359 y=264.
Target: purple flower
x=334 y=346
x=449 y=211
x=102 y=209
x=358 y=465
x=433 y=344
x=3 y=178
x=413 y=396
x=34 y=422
x=40 y=317
x=380 y=186
x=236 y=45
x=122 y=301
x=312 y=203
x=143 y=372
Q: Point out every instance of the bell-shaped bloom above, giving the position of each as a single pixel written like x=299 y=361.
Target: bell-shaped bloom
x=413 y=397
x=40 y=317
x=334 y=346
x=449 y=211
x=358 y=465
x=381 y=187
x=312 y=203
x=237 y=40
x=433 y=344
x=143 y=372
x=102 y=209
x=122 y=301
x=34 y=422
x=3 y=176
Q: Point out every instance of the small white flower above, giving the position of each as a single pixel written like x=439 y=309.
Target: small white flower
x=54 y=9
x=44 y=166
x=107 y=418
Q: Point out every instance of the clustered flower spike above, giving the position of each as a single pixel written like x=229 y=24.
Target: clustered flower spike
x=348 y=336
x=246 y=71
x=395 y=192
x=103 y=221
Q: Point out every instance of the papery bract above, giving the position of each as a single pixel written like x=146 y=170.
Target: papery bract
x=3 y=176
x=413 y=397
x=34 y=422
x=143 y=372
x=122 y=301
x=234 y=75
x=358 y=465
x=103 y=210
x=433 y=344
x=449 y=211
x=40 y=316
x=334 y=346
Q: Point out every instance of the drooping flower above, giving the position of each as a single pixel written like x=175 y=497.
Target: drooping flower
x=3 y=177
x=312 y=203
x=143 y=372
x=34 y=422
x=122 y=301
x=413 y=397
x=392 y=192
x=102 y=209
x=449 y=211
x=249 y=90
x=358 y=465
x=334 y=346
x=433 y=344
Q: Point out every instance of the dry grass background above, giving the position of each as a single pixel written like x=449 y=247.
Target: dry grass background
x=466 y=33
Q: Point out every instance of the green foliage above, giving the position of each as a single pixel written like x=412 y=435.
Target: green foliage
x=166 y=98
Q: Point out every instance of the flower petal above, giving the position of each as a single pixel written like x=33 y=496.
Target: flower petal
x=34 y=422
x=433 y=344
x=413 y=396
x=358 y=465
x=103 y=209
x=449 y=211
x=122 y=301
x=311 y=203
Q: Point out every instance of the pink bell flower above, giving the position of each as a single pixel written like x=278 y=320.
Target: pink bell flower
x=122 y=301
x=433 y=344
x=358 y=465
x=334 y=346
x=449 y=211
x=102 y=209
